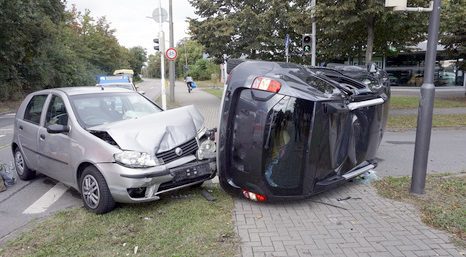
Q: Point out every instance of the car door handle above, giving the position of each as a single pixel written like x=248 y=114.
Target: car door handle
x=42 y=136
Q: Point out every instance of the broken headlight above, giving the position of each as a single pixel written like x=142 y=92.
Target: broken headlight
x=207 y=150
x=134 y=159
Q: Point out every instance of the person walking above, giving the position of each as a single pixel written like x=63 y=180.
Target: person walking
x=189 y=83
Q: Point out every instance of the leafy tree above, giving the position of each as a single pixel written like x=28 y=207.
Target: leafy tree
x=189 y=51
x=346 y=27
x=246 y=28
x=137 y=58
x=453 y=28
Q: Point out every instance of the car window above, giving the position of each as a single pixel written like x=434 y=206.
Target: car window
x=34 y=108
x=56 y=112
x=104 y=108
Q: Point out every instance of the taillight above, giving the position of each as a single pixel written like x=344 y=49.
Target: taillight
x=266 y=84
x=254 y=196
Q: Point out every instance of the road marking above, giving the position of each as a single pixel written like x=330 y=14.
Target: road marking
x=2 y=136
x=43 y=203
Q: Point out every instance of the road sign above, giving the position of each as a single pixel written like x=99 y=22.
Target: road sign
x=156 y=15
x=171 y=54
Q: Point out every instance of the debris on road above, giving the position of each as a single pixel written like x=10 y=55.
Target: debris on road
x=347 y=198
x=7 y=177
x=206 y=194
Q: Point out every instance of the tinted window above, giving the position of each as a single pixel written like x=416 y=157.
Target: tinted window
x=34 y=108
x=103 y=108
x=56 y=113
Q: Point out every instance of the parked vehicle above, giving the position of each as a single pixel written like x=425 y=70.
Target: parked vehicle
x=112 y=145
x=287 y=131
x=122 y=81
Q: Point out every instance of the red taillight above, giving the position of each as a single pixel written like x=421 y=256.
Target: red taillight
x=266 y=84
x=254 y=196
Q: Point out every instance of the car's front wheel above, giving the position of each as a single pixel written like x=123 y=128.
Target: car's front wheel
x=94 y=191
x=23 y=171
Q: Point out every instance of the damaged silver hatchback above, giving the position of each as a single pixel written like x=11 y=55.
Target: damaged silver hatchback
x=112 y=145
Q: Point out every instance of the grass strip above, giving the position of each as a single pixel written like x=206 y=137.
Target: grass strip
x=411 y=102
x=218 y=92
x=180 y=224
x=438 y=120
x=443 y=205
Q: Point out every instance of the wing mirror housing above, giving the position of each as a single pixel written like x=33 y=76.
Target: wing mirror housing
x=56 y=129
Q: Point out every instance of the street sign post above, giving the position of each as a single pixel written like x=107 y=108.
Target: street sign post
x=171 y=54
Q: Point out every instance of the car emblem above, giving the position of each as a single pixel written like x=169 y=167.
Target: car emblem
x=179 y=151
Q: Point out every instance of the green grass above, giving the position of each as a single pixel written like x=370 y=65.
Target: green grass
x=410 y=102
x=184 y=224
x=440 y=120
x=218 y=92
x=443 y=206
x=209 y=84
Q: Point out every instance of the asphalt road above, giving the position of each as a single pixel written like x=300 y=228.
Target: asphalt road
x=27 y=201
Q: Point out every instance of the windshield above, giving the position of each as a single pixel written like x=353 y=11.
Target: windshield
x=125 y=86
x=97 y=109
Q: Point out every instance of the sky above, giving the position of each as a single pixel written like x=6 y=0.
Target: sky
x=129 y=19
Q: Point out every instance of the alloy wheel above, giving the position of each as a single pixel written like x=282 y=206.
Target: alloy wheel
x=90 y=191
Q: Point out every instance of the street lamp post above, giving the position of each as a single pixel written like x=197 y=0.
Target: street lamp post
x=426 y=102
x=426 y=105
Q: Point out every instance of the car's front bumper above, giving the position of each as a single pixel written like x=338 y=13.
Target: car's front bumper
x=154 y=181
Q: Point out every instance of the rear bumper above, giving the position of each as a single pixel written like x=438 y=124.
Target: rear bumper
x=152 y=182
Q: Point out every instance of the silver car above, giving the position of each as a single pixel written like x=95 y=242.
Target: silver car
x=112 y=145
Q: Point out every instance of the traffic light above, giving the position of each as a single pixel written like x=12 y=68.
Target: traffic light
x=157 y=45
x=307 y=43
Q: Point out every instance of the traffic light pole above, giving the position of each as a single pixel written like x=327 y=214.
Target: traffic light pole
x=426 y=106
x=162 y=59
x=171 y=63
x=313 y=48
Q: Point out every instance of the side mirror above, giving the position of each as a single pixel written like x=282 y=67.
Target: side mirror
x=56 y=128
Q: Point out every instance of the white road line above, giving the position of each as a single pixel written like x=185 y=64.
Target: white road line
x=43 y=203
x=2 y=136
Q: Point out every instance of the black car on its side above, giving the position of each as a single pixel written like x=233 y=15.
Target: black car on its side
x=288 y=131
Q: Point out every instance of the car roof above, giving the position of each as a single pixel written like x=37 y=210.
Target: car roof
x=87 y=90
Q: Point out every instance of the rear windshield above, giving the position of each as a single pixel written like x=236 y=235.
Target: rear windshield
x=97 y=109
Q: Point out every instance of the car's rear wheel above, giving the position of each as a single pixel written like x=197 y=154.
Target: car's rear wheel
x=22 y=169
x=94 y=191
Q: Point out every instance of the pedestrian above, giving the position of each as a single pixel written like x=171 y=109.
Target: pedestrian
x=189 y=83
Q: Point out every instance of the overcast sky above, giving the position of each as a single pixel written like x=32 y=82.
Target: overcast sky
x=129 y=20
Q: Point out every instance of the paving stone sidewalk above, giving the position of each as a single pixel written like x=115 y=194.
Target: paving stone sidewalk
x=364 y=225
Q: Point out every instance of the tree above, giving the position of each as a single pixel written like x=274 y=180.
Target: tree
x=246 y=28
x=453 y=29
x=137 y=58
x=189 y=51
x=346 y=27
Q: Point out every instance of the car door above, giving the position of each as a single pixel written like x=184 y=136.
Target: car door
x=55 y=149
x=28 y=129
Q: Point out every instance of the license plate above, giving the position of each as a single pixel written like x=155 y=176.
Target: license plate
x=190 y=172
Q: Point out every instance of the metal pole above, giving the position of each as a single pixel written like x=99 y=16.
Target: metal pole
x=313 y=48
x=172 y=63
x=426 y=106
x=162 y=58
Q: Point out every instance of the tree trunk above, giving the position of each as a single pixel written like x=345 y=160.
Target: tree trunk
x=370 y=38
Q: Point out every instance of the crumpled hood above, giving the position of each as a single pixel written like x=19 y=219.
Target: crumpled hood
x=156 y=132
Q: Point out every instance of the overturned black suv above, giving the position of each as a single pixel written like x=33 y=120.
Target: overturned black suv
x=287 y=131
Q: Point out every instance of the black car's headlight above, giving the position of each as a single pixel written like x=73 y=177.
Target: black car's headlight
x=373 y=84
x=133 y=159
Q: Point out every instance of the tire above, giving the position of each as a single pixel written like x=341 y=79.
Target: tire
x=94 y=191
x=232 y=63
x=22 y=169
